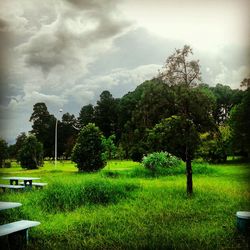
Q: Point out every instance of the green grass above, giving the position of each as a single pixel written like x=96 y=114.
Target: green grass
x=124 y=207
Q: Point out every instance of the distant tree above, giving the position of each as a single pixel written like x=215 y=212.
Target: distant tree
x=141 y=109
x=89 y=149
x=216 y=145
x=67 y=133
x=240 y=123
x=86 y=115
x=44 y=127
x=193 y=108
x=3 y=152
x=245 y=83
x=226 y=98
x=31 y=153
x=19 y=142
x=106 y=113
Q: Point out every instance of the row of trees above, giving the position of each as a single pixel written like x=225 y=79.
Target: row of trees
x=173 y=112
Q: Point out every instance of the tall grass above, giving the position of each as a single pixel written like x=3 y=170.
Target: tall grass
x=68 y=196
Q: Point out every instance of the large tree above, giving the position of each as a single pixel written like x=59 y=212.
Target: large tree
x=86 y=115
x=193 y=106
x=66 y=134
x=106 y=113
x=44 y=127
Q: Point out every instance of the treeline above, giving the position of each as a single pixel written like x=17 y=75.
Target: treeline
x=220 y=116
x=129 y=118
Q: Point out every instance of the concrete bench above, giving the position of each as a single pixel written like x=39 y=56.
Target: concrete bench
x=17 y=229
x=37 y=184
x=16 y=187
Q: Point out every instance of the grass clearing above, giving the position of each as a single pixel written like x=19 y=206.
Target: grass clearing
x=122 y=207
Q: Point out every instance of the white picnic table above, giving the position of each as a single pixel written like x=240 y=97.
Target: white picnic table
x=7 y=205
x=27 y=180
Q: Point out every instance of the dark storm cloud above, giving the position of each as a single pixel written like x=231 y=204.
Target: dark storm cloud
x=65 y=40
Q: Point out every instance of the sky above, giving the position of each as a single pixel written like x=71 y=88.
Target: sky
x=66 y=52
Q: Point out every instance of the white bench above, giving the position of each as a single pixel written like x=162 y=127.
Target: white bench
x=19 y=227
x=37 y=184
x=16 y=187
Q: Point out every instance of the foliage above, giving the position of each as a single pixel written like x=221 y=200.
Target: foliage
x=240 y=124
x=66 y=135
x=86 y=115
x=14 y=149
x=106 y=113
x=31 y=153
x=174 y=135
x=3 y=152
x=216 y=146
x=120 y=153
x=110 y=147
x=88 y=150
x=158 y=160
x=226 y=98
x=44 y=127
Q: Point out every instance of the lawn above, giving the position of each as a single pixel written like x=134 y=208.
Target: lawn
x=123 y=207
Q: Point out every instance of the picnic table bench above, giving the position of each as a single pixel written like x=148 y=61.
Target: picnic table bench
x=16 y=232
x=7 y=205
x=27 y=180
x=37 y=184
x=16 y=187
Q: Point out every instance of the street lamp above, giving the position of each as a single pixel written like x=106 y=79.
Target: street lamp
x=60 y=110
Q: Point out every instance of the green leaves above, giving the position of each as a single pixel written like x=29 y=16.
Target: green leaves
x=31 y=153
x=88 y=150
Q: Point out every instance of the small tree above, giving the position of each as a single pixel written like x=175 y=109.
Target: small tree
x=193 y=107
x=89 y=149
x=179 y=137
x=31 y=153
x=110 y=147
x=3 y=152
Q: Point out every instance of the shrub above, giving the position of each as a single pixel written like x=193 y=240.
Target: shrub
x=88 y=152
x=30 y=154
x=159 y=160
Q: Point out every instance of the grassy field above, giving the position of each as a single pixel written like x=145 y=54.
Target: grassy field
x=124 y=207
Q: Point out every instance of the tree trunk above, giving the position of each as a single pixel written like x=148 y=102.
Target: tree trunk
x=189 y=176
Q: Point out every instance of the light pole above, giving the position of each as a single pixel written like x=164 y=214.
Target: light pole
x=60 y=110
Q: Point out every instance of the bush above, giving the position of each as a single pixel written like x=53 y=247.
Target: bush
x=88 y=152
x=30 y=154
x=159 y=160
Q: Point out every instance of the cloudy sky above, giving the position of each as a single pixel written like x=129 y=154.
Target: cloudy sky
x=66 y=52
